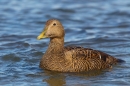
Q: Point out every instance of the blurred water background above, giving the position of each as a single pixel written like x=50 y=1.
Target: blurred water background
x=99 y=24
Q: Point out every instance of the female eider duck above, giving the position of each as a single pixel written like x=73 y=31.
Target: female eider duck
x=70 y=59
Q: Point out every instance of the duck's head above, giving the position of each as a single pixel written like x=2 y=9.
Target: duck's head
x=52 y=29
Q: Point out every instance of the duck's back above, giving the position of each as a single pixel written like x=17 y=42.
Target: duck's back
x=84 y=59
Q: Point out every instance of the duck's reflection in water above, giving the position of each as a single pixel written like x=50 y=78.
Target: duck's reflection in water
x=56 y=81
x=59 y=79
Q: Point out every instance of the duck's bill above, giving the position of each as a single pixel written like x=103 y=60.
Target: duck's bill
x=41 y=36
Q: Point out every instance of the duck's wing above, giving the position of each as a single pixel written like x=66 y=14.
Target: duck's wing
x=87 y=53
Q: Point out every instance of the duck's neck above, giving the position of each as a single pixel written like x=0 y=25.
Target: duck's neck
x=56 y=46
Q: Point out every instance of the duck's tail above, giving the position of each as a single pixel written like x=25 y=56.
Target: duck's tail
x=120 y=61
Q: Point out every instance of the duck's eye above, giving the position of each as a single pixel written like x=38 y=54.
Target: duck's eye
x=54 y=24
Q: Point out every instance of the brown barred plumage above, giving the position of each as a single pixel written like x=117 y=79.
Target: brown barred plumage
x=70 y=59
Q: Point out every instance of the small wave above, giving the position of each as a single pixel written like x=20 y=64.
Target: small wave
x=11 y=57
